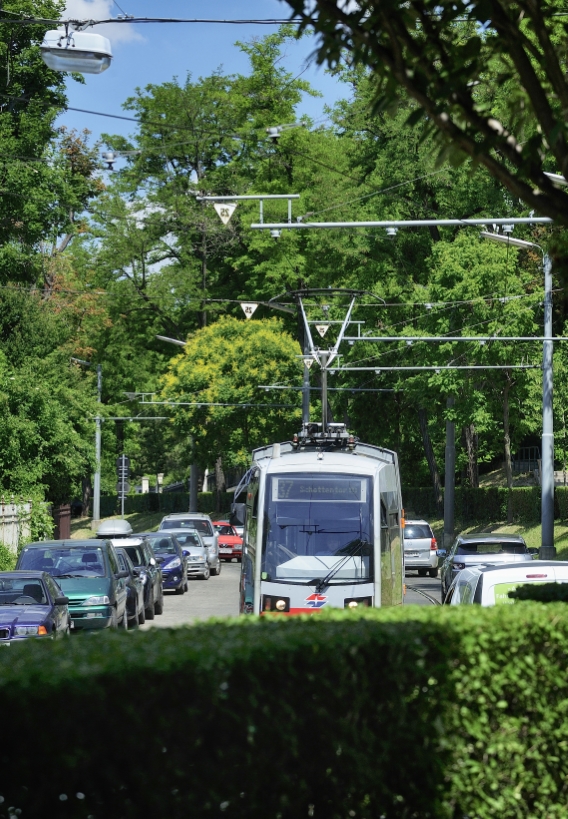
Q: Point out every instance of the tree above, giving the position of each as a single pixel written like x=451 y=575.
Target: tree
x=225 y=364
x=489 y=77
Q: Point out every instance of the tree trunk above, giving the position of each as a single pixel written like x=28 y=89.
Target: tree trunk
x=219 y=483
x=431 y=458
x=471 y=442
x=507 y=445
x=87 y=495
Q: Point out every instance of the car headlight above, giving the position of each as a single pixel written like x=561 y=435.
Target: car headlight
x=26 y=631
x=97 y=601
x=196 y=558
x=174 y=564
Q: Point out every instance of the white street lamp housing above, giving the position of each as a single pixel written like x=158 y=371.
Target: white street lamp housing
x=80 y=51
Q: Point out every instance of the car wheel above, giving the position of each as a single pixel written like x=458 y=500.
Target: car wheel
x=433 y=572
x=149 y=612
x=421 y=572
x=186 y=586
x=124 y=621
x=239 y=560
x=442 y=595
x=114 y=619
x=217 y=571
x=159 y=605
x=181 y=589
x=206 y=574
x=141 y=617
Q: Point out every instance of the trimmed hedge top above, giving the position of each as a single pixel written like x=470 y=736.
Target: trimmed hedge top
x=409 y=713
x=541 y=592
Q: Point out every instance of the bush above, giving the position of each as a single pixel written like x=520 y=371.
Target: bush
x=7 y=558
x=435 y=713
x=541 y=592
x=487 y=503
x=166 y=502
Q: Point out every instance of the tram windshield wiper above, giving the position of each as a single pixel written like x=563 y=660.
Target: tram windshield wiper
x=356 y=546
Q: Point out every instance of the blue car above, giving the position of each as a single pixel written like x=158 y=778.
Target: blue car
x=171 y=558
x=31 y=605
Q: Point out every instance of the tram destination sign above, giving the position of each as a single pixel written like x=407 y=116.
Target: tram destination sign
x=319 y=489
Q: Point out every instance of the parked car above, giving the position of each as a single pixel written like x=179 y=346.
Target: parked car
x=202 y=523
x=480 y=549
x=230 y=543
x=195 y=552
x=134 y=589
x=88 y=573
x=112 y=529
x=168 y=552
x=142 y=557
x=490 y=585
x=420 y=548
x=31 y=605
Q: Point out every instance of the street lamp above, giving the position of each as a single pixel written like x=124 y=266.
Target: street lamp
x=97 y=477
x=547 y=551
x=81 y=51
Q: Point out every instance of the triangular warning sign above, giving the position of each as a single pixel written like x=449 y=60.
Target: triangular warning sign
x=322 y=329
x=308 y=362
x=248 y=308
x=225 y=210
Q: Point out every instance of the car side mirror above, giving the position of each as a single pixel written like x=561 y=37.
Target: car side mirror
x=123 y=573
x=534 y=552
x=159 y=559
x=441 y=552
x=185 y=553
x=61 y=601
x=136 y=572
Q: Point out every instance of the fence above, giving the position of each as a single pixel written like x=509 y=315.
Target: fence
x=15 y=522
x=163 y=502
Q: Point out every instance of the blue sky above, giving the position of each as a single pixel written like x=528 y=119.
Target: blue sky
x=154 y=53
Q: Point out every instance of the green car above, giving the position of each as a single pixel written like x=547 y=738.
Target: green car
x=88 y=573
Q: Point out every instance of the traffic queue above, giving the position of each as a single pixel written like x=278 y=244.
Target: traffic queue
x=115 y=580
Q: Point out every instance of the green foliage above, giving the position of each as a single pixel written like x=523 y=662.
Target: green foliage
x=541 y=592
x=482 y=504
x=165 y=502
x=226 y=363
x=7 y=558
x=426 y=713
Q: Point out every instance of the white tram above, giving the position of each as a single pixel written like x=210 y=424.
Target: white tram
x=323 y=525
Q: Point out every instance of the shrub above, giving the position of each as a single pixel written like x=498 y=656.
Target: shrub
x=409 y=713
x=7 y=558
x=541 y=592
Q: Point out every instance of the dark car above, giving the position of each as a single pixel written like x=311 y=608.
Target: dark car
x=31 y=605
x=173 y=562
x=480 y=549
x=88 y=574
x=138 y=550
x=134 y=589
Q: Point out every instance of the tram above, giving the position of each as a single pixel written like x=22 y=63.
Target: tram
x=323 y=525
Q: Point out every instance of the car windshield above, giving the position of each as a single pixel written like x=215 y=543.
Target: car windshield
x=163 y=545
x=491 y=548
x=61 y=562
x=225 y=530
x=202 y=525
x=318 y=526
x=135 y=554
x=415 y=531
x=22 y=591
x=188 y=539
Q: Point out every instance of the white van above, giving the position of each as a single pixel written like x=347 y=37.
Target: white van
x=490 y=585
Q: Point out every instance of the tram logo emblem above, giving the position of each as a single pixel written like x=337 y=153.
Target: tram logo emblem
x=316 y=601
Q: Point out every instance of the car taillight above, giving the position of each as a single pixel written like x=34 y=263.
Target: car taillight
x=433 y=544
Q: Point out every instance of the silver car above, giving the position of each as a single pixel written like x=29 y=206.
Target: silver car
x=200 y=522
x=420 y=548
x=481 y=549
x=195 y=551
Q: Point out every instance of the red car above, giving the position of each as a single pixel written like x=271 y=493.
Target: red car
x=230 y=544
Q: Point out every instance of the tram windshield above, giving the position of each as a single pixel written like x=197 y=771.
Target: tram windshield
x=318 y=527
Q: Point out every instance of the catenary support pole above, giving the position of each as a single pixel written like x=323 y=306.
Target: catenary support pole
x=97 y=478
x=193 y=479
x=323 y=362
x=548 y=550
x=450 y=477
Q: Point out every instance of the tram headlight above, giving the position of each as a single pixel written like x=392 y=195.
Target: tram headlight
x=272 y=602
x=357 y=602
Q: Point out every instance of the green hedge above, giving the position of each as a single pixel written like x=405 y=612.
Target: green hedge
x=486 y=503
x=438 y=714
x=541 y=592
x=165 y=502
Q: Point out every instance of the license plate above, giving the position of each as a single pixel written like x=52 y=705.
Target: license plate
x=412 y=554
x=225 y=551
